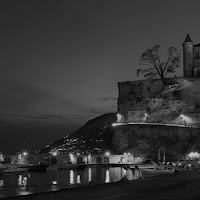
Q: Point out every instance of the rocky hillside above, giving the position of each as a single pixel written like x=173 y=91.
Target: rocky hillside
x=94 y=137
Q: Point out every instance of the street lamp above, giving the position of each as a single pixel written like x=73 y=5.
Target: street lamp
x=107 y=153
x=25 y=153
x=54 y=153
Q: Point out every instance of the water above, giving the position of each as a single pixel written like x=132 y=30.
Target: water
x=12 y=184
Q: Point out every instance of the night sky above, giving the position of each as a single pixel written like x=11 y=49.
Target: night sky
x=60 y=61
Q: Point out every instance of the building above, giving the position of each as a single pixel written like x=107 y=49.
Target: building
x=191 y=58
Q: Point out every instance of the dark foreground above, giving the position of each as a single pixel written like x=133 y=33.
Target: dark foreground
x=185 y=185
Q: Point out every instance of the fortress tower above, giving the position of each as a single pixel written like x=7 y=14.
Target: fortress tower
x=188 y=68
x=191 y=58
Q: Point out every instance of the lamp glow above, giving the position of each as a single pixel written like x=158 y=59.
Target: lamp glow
x=54 y=153
x=107 y=153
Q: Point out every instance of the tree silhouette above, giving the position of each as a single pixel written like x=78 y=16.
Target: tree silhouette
x=153 y=66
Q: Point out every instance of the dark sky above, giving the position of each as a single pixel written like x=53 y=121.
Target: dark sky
x=60 y=61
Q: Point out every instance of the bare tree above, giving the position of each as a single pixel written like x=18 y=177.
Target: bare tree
x=153 y=66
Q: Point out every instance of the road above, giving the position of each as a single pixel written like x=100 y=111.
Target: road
x=185 y=185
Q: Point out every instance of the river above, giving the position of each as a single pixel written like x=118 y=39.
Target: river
x=13 y=184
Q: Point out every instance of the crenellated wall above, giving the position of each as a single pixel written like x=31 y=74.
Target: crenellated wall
x=151 y=101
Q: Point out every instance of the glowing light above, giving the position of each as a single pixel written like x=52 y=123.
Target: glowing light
x=54 y=182
x=25 y=153
x=193 y=155
x=78 y=154
x=124 y=153
x=129 y=154
x=107 y=153
x=54 y=153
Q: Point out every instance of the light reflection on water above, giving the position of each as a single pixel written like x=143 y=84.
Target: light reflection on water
x=1 y=183
x=107 y=180
x=26 y=183
x=71 y=177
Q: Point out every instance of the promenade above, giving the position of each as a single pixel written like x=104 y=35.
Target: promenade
x=183 y=185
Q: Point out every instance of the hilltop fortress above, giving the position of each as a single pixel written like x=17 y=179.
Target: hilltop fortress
x=177 y=102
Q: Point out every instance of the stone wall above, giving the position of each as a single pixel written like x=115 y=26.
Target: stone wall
x=154 y=131
x=145 y=140
x=164 y=102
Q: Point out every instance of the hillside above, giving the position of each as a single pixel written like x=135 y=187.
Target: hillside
x=94 y=137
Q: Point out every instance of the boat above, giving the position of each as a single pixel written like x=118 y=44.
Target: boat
x=9 y=169
x=22 y=168
x=38 y=168
x=15 y=168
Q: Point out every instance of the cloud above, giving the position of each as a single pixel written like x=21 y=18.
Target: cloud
x=21 y=101
x=21 y=96
x=40 y=117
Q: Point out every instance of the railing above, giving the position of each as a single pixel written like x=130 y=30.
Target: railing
x=189 y=125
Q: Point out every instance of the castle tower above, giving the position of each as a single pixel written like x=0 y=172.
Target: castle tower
x=188 y=67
